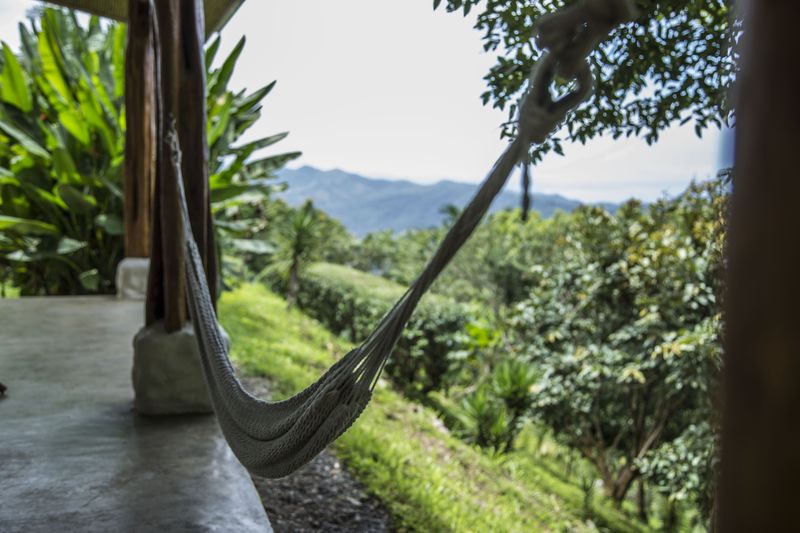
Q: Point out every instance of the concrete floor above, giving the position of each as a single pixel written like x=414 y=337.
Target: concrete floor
x=73 y=455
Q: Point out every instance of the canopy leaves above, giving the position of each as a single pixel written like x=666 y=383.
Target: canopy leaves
x=674 y=64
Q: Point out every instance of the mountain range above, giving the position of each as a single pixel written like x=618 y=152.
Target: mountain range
x=366 y=204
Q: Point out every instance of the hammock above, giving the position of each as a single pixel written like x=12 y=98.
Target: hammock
x=273 y=439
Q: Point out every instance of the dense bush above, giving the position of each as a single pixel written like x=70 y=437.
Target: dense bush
x=624 y=325
x=351 y=303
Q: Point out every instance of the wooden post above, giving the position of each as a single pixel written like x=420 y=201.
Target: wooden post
x=182 y=87
x=140 y=132
x=193 y=134
x=760 y=479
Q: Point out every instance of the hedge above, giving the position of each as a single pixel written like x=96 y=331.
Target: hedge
x=350 y=303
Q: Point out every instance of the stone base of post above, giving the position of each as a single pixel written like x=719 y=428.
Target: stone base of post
x=167 y=373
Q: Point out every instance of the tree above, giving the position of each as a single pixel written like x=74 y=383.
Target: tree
x=298 y=239
x=675 y=63
x=624 y=327
x=377 y=253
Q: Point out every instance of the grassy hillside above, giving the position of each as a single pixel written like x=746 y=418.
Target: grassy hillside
x=428 y=479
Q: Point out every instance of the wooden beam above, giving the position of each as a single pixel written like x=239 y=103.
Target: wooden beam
x=761 y=407
x=140 y=132
x=217 y=13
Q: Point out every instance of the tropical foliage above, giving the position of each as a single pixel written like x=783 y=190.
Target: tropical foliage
x=240 y=185
x=62 y=124
x=61 y=145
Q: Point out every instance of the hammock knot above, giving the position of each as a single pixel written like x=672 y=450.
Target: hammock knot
x=569 y=25
x=567 y=38
x=537 y=120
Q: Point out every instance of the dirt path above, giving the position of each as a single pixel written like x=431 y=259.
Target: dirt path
x=322 y=496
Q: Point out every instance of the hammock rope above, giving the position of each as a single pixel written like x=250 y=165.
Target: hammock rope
x=273 y=439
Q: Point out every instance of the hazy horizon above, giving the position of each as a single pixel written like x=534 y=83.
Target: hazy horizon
x=513 y=184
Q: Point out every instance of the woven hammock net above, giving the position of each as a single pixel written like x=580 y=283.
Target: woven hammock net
x=273 y=439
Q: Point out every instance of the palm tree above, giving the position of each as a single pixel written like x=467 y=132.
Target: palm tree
x=298 y=239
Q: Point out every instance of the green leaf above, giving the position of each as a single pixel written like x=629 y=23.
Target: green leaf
x=233 y=225
x=227 y=192
x=96 y=119
x=118 y=60
x=24 y=140
x=266 y=165
x=51 y=68
x=64 y=166
x=27 y=41
x=25 y=226
x=258 y=144
x=64 y=247
x=111 y=224
x=252 y=246
x=223 y=75
x=219 y=119
x=75 y=124
x=68 y=246
x=13 y=83
x=46 y=200
x=250 y=101
x=90 y=280
x=75 y=200
x=112 y=187
x=211 y=52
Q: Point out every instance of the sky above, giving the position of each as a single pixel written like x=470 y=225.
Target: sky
x=391 y=89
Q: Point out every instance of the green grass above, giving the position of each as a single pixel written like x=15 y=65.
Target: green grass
x=429 y=480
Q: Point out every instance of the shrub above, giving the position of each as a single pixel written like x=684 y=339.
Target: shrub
x=493 y=413
x=482 y=419
x=351 y=303
x=624 y=329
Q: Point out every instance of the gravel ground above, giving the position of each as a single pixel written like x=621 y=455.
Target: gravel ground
x=321 y=496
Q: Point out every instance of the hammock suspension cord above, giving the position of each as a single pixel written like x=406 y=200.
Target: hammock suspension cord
x=273 y=439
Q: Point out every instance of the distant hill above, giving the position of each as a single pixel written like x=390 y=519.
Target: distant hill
x=364 y=204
